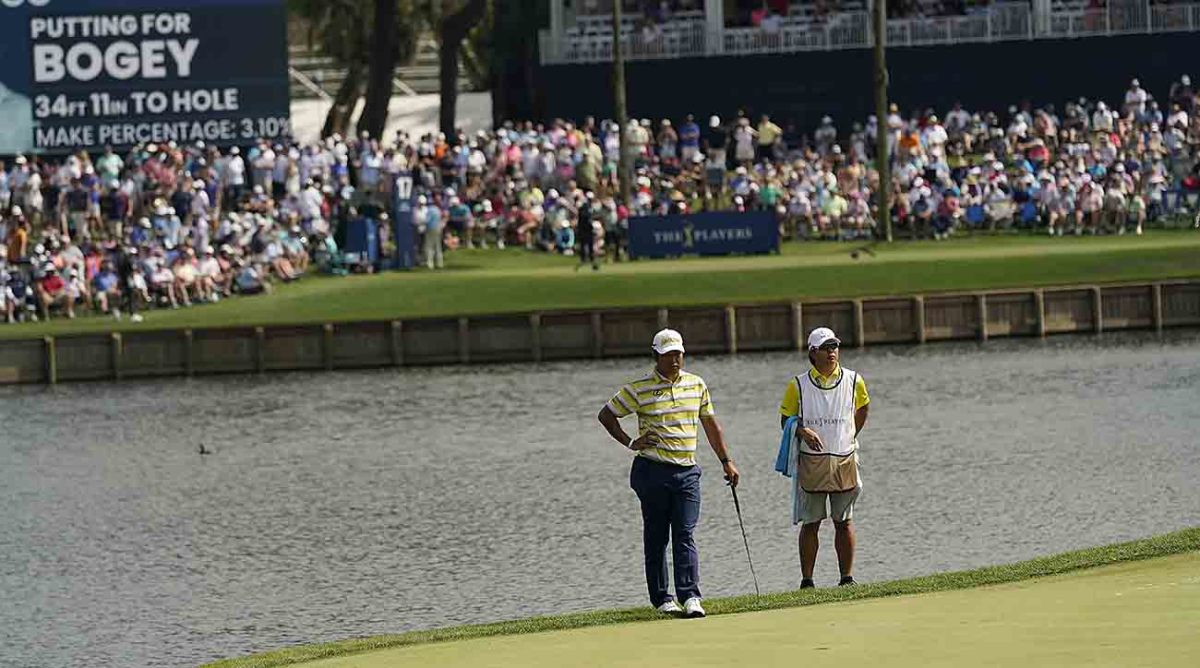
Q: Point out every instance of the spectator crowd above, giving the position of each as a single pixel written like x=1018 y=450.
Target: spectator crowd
x=171 y=226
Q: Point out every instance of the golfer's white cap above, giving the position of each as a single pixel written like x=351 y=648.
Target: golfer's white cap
x=820 y=336
x=668 y=340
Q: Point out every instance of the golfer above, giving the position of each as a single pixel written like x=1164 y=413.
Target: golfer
x=831 y=402
x=669 y=403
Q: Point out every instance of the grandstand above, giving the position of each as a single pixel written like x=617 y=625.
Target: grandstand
x=800 y=61
x=587 y=37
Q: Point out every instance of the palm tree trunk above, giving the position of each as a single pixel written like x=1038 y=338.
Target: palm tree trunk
x=338 y=119
x=453 y=31
x=381 y=68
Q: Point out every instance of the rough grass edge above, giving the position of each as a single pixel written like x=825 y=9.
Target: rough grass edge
x=1186 y=540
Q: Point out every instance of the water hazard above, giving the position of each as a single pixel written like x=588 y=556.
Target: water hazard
x=358 y=503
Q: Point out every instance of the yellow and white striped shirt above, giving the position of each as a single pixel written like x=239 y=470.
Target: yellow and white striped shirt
x=671 y=411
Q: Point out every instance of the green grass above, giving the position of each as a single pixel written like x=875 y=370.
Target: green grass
x=1180 y=542
x=514 y=280
x=1142 y=613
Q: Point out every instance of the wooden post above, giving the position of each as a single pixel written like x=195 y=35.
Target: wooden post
x=798 y=324
x=1039 y=307
x=327 y=346
x=918 y=307
x=260 y=349
x=117 y=351
x=731 y=338
x=664 y=318
x=597 y=335
x=51 y=360
x=464 y=340
x=396 y=339
x=535 y=335
x=1157 y=305
x=189 y=353
x=1097 y=310
x=860 y=338
x=981 y=302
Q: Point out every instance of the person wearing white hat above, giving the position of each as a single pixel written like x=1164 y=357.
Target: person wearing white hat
x=428 y=219
x=716 y=141
x=1135 y=99
x=233 y=176
x=829 y=404
x=669 y=403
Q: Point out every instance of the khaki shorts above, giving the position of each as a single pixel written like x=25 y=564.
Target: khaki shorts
x=816 y=506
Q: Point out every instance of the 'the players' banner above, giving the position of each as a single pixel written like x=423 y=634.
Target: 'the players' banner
x=713 y=233
x=88 y=73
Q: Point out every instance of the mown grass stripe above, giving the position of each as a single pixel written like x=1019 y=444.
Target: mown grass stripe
x=1187 y=540
x=511 y=281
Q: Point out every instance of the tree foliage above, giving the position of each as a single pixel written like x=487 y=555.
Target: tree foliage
x=496 y=41
x=345 y=31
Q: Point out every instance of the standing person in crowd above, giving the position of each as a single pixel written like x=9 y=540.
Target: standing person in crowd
x=689 y=140
x=73 y=207
x=115 y=206
x=669 y=403
x=431 y=231
x=768 y=135
x=18 y=237
x=743 y=142
x=1181 y=93
x=585 y=233
x=716 y=143
x=132 y=283
x=615 y=230
x=822 y=413
x=668 y=142
x=233 y=178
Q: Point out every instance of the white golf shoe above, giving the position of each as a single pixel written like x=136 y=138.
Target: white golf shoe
x=670 y=607
x=692 y=608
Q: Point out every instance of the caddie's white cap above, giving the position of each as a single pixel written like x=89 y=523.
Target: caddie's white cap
x=820 y=336
x=667 y=340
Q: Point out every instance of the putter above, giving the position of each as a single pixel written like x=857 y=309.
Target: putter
x=738 y=507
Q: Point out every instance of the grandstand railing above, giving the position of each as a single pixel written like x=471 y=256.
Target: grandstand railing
x=852 y=30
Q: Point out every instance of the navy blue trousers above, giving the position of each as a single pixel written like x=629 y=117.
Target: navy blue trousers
x=670 y=497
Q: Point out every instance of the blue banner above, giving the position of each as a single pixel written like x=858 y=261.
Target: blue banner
x=362 y=241
x=403 y=203
x=713 y=233
x=82 y=74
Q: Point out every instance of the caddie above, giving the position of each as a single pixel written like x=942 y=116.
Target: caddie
x=830 y=403
x=670 y=403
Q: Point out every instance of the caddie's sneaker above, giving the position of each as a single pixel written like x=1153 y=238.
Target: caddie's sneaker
x=670 y=607
x=692 y=608
x=807 y=583
x=846 y=581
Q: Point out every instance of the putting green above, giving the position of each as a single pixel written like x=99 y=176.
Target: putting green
x=1144 y=613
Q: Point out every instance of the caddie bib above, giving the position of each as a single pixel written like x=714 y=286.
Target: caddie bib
x=830 y=413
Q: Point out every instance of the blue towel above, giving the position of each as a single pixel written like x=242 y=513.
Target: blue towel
x=785 y=445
